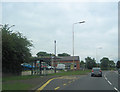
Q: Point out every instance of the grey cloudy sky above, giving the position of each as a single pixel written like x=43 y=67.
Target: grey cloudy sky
x=44 y=22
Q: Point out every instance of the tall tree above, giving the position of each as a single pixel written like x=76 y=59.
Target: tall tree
x=118 y=64
x=15 y=50
x=111 y=64
x=42 y=53
x=90 y=63
x=104 y=63
x=82 y=64
x=64 y=54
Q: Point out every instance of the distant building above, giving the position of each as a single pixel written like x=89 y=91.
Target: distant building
x=68 y=61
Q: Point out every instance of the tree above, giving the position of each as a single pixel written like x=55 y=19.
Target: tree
x=15 y=50
x=41 y=53
x=90 y=63
x=104 y=63
x=82 y=64
x=111 y=64
x=118 y=64
x=63 y=54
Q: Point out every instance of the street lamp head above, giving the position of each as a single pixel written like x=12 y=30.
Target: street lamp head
x=54 y=41
x=82 y=22
x=79 y=22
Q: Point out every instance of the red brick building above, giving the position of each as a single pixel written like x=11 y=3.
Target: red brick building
x=68 y=61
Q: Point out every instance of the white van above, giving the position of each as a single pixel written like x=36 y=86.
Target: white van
x=60 y=67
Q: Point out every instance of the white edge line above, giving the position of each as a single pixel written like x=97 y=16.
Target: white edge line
x=116 y=89
x=111 y=84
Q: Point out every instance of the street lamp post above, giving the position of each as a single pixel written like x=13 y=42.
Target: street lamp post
x=73 y=40
x=55 y=57
x=96 y=55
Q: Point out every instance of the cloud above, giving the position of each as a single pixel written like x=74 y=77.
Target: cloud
x=45 y=22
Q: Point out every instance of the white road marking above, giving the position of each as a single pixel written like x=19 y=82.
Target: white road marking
x=109 y=82
x=105 y=78
x=116 y=89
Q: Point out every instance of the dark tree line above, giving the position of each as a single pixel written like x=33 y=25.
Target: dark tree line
x=90 y=63
x=45 y=54
x=42 y=53
x=15 y=50
x=105 y=63
x=64 y=54
x=118 y=64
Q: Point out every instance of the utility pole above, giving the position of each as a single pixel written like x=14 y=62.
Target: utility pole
x=55 y=57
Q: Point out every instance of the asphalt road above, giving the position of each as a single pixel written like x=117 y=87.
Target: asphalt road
x=109 y=81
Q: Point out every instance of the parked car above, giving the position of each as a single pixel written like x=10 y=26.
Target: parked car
x=50 y=67
x=60 y=67
x=96 y=72
x=26 y=66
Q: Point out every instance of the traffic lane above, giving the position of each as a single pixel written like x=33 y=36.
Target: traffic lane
x=112 y=77
x=55 y=84
x=60 y=82
x=89 y=83
x=80 y=82
x=118 y=81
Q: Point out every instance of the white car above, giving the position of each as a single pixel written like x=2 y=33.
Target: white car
x=50 y=67
x=60 y=67
x=96 y=72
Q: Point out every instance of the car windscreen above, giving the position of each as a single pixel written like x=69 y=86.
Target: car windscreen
x=96 y=69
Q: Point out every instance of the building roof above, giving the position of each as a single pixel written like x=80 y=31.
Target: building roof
x=65 y=58
x=69 y=58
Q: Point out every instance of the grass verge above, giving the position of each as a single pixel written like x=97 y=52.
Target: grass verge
x=16 y=86
x=62 y=73
x=19 y=77
x=79 y=72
